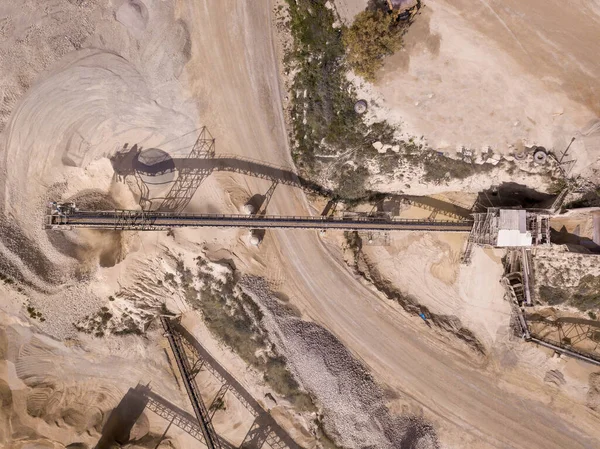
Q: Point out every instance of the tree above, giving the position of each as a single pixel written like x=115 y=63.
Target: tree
x=373 y=36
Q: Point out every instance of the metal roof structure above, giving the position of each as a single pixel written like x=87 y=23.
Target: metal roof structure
x=512 y=228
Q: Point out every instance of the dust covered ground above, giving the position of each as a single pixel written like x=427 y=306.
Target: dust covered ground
x=499 y=74
x=80 y=79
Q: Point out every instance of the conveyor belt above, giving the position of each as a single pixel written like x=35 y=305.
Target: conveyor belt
x=155 y=221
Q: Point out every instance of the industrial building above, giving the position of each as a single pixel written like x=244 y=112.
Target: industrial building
x=511 y=228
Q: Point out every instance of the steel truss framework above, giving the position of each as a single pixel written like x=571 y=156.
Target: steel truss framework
x=157 y=221
x=173 y=414
x=208 y=432
x=189 y=180
x=573 y=331
x=264 y=428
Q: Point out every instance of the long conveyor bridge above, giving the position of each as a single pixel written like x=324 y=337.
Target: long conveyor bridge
x=60 y=217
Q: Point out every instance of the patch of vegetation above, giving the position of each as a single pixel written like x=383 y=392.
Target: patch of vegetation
x=235 y=319
x=130 y=328
x=372 y=36
x=554 y=296
x=590 y=199
x=170 y=279
x=332 y=143
x=557 y=185
x=35 y=314
x=104 y=321
x=439 y=168
x=323 y=100
x=279 y=377
x=351 y=184
x=587 y=293
x=323 y=107
x=585 y=296
x=354 y=243
x=6 y=279
x=105 y=315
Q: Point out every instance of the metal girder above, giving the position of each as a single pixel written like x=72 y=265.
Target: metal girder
x=264 y=427
x=154 y=220
x=196 y=357
x=208 y=432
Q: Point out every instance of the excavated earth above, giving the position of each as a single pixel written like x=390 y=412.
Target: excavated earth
x=81 y=79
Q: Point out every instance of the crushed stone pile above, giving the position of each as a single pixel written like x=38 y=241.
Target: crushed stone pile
x=354 y=406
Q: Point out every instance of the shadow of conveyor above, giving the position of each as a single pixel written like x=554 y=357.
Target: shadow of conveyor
x=127 y=162
x=393 y=203
x=573 y=240
x=193 y=170
x=513 y=195
x=121 y=420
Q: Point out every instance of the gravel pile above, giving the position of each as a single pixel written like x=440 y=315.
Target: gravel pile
x=353 y=405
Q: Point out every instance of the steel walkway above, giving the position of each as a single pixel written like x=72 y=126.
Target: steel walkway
x=156 y=221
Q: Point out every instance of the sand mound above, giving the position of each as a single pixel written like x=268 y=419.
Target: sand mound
x=87 y=100
x=134 y=15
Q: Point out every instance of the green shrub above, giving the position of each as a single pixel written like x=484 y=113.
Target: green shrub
x=351 y=185
x=373 y=36
x=553 y=295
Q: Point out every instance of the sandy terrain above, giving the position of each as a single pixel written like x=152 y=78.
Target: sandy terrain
x=499 y=73
x=490 y=413
x=56 y=394
x=348 y=9
x=427 y=267
x=148 y=72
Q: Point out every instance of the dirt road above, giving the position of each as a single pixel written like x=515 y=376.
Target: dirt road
x=233 y=73
x=112 y=87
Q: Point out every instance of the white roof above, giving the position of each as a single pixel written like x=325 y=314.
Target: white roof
x=513 y=220
x=512 y=228
x=513 y=237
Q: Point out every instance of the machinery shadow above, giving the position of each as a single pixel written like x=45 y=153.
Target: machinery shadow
x=564 y=237
x=393 y=204
x=510 y=195
x=121 y=420
x=193 y=170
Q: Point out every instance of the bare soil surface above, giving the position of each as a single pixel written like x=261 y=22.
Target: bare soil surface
x=499 y=74
x=81 y=79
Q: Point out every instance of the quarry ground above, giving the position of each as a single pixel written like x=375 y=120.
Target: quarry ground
x=81 y=79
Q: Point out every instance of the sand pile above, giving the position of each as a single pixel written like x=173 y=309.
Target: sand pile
x=82 y=82
x=354 y=406
x=59 y=395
